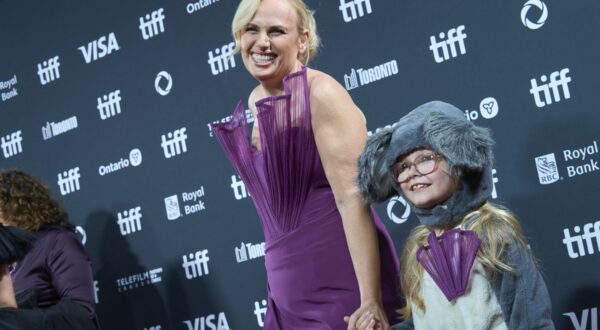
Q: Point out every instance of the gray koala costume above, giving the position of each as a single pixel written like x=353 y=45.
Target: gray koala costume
x=443 y=128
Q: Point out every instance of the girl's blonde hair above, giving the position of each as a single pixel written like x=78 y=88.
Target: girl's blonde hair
x=306 y=21
x=493 y=224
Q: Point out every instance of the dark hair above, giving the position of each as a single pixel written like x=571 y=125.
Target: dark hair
x=26 y=203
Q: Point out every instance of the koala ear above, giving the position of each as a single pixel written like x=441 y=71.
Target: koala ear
x=463 y=144
x=374 y=180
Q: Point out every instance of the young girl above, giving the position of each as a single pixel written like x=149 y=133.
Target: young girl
x=467 y=266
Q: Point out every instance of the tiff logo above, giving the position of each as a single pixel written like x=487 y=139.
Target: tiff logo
x=196 y=265
x=99 y=48
x=557 y=79
x=173 y=143
x=260 y=312
x=48 y=70
x=152 y=24
x=494 y=181
x=455 y=36
x=11 y=144
x=96 y=290
x=129 y=221
x=350 y=8
x=239 y=188
x=547 y=169
x=591 y=231
x=221 y=59
x=109 y=104
x=68 y=181
x=582 y=323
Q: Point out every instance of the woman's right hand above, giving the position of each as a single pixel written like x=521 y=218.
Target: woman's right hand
x=7 y=292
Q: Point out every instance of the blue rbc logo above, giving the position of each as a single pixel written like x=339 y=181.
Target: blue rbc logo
x=547 y=169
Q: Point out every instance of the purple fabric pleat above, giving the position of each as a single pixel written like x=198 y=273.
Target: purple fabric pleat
x=311 y=280
x=449 y=258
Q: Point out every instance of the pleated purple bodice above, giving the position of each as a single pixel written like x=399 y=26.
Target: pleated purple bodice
x=311 y=280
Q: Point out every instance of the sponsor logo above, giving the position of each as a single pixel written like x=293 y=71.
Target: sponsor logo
x=99 y=48
x=82 y=234
x=48 y=70
x=194 y=204
x=96 y=290
x=488 y=109
x=398 y=209
x=542 y=18
x=353 y=9
x=249 y=251
x=135 y=159
x=239 y=188
x=260 y=310
x=557 y=79
x=52 y=129
x=173 y=143
x=588 y=317
x=109 y=105
x=129 y=221
x=580 y=155
x=249 y=119
x=11 y=144
x=547 y=169
x=195 y=264
x=547 y=166
x=68 y=181
x=456 y=36
x=8 y=89
x=361 y=77
x=172 y=207
x=139 y=280
x=208 y=322
x=575 y=246
x=193 y=7
x=222 y=59
x=152 y=24
x=163 y=83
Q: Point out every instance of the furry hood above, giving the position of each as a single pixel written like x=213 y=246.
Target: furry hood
x=443 y=128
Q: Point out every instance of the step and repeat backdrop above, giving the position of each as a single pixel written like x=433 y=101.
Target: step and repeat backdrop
x=111 y=104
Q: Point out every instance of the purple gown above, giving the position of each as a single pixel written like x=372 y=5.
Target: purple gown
x=311 y=280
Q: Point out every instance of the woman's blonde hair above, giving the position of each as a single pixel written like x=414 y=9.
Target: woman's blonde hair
x=306 y=21
x=493 y=224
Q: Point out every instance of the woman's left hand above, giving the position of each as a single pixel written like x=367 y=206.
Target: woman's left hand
x=369 y=316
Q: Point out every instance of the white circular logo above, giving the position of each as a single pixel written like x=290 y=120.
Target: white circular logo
x=79 y=230
x=404 y=205
x=163 y=75
x=488 y=107
x=135 y=157
x=540 y=22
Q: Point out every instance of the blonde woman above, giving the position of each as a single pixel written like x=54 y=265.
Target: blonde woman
x=323 y=243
